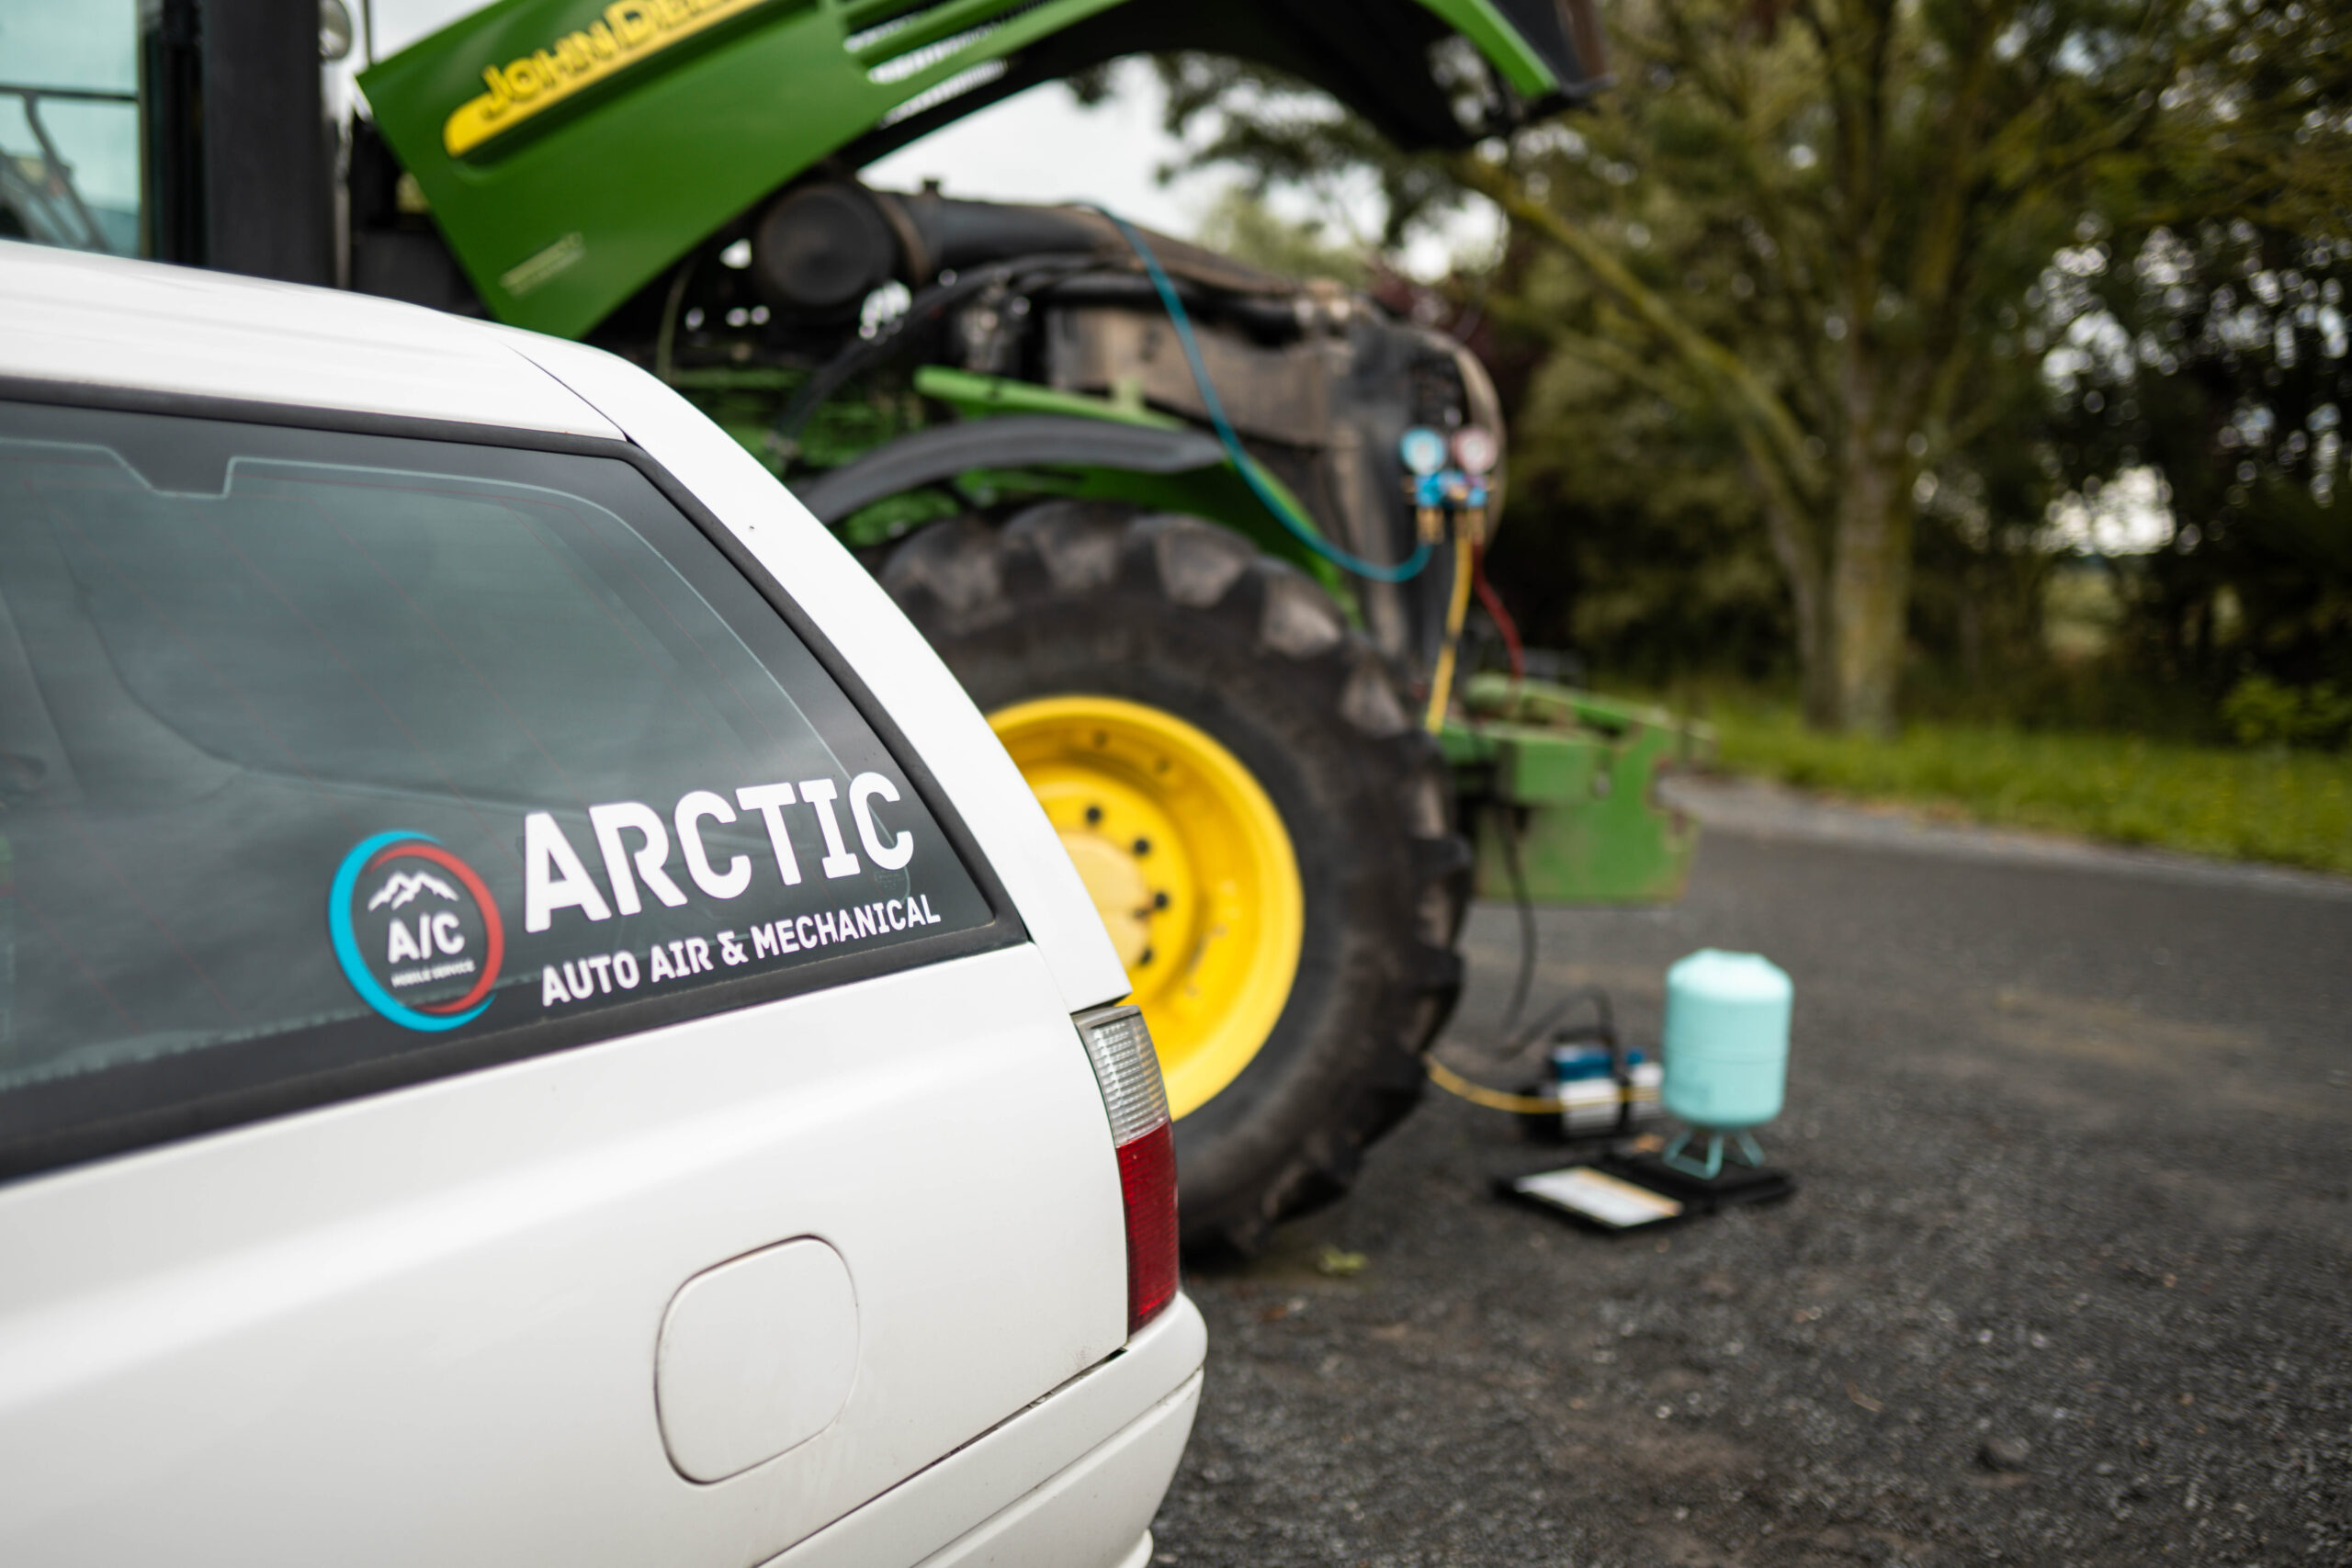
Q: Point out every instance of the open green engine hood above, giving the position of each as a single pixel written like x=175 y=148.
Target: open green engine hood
x=571 y=149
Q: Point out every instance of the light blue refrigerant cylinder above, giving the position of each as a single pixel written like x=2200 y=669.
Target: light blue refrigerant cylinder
x=1726 y=1040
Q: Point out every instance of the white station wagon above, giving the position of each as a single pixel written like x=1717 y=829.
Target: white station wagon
x=538 y=1024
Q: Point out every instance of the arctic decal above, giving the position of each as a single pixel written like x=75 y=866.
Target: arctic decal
x=622 y=35
x=608 y=974
x=416 y=932
x=634 y=843
x=419 y=936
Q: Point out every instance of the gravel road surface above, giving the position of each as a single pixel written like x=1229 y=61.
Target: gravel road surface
x=2065 y=1281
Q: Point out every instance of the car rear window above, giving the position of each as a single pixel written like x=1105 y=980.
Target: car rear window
x=330 y=761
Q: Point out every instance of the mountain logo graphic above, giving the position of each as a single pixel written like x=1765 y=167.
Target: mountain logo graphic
x=402 y=887
x=431 y=971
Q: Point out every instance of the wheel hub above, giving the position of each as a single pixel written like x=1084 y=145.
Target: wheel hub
x=1189 y=865
x=1122 y=893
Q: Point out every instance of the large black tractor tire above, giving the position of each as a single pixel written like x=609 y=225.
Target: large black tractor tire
x=1082 y=599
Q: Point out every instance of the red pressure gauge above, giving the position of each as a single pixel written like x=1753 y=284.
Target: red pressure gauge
x=1476 y=449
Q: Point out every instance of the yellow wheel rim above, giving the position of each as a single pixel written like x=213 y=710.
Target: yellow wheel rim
x=1187 y=861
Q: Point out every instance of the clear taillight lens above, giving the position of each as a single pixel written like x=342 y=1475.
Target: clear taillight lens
x=1119 y=1044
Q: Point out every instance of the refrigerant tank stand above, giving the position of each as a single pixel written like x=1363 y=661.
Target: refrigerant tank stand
x=1727 y=1048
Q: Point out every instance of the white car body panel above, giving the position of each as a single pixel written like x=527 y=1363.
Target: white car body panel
x=446 y=1329
x=957 y=1503
x=422 y=1326
x=1076 y=1519
x=75 y=317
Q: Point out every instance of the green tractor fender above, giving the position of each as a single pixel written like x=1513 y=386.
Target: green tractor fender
x=1055 y=443
x=1019 y=439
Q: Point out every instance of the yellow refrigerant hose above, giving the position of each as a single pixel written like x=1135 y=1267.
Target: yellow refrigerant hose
x=1441 y=683
x=1446 y=1078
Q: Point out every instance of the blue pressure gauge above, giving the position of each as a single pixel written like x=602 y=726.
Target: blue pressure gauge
x=1422 y=449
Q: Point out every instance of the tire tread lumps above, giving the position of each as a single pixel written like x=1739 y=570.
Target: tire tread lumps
x=964 y=576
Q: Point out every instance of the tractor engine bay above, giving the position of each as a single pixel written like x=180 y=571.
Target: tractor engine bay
x=838 y=318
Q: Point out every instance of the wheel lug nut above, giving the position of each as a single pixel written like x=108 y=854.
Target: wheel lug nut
x=1143 y=846
x=1093 y=815
x=1144 y=959
x=1159 y=901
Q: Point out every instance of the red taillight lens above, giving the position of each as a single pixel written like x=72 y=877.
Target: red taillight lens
x=1127 y=1071
x=1147 y=1185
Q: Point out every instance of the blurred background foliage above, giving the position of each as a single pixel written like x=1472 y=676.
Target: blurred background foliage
x=2097 y=250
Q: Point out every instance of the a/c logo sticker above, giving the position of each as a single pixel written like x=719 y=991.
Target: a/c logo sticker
x=416 y=932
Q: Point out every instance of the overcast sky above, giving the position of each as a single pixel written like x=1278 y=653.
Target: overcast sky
x=1041 y=146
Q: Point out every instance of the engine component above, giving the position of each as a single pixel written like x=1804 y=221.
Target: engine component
x=820 y=250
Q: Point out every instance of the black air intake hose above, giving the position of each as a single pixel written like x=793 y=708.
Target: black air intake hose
x=820 y=249
x=963 y=234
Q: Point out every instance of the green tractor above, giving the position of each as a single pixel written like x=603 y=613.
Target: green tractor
x=1197 y=537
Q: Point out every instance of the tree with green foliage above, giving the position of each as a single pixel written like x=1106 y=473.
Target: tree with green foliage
x=1812 y=227
x=1240 y=225
x=2218 y=355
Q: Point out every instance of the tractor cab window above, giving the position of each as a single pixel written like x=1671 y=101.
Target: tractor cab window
x=68 y=125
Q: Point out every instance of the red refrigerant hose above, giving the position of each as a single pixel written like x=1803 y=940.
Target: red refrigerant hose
x=1503 y=623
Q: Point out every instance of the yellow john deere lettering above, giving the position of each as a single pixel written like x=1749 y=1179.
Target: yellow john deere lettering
x=629 y=31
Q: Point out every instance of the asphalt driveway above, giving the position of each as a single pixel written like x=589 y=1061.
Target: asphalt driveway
x=2066 y=1282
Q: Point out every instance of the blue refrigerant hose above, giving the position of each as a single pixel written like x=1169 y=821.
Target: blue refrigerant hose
x=1305 y=532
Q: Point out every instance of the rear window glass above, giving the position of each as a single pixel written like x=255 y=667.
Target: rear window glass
x=320 y=750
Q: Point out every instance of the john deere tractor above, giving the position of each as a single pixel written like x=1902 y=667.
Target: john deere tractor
x=1199 y=538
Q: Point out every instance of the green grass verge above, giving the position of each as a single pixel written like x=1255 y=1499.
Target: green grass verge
x=2292 y=807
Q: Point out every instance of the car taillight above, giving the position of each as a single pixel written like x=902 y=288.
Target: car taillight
x=1119 y=1044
